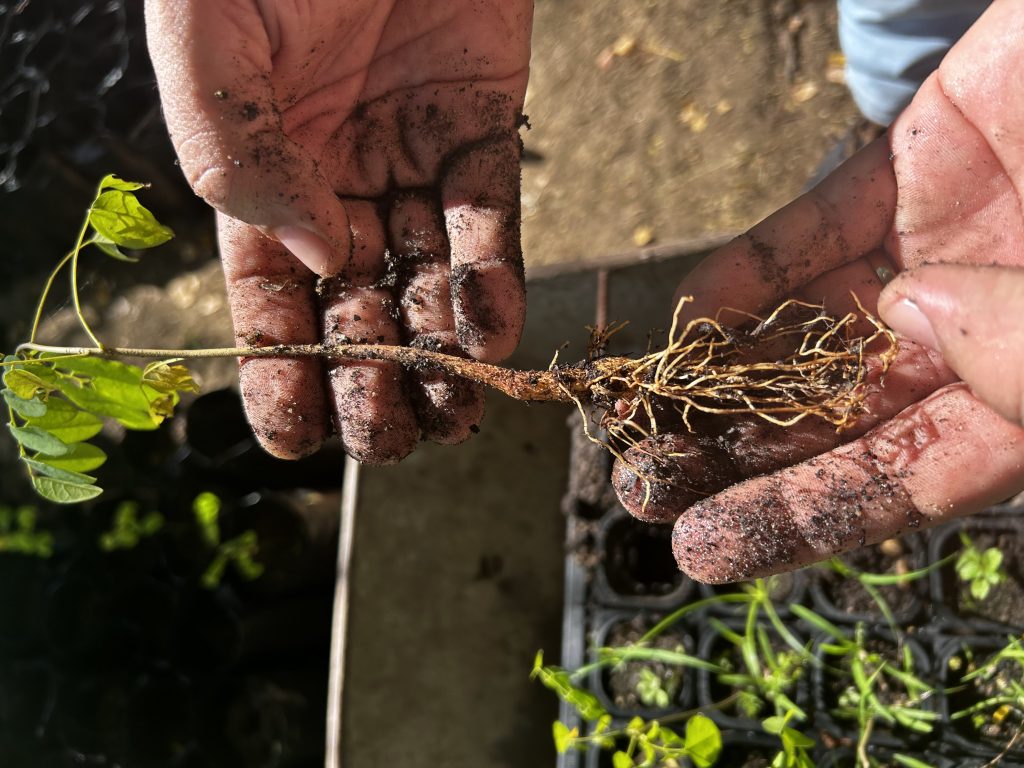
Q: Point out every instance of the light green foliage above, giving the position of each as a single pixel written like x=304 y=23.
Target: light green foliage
x=57 y=403
x=649 y=743
x=128 y=530
x=981 y=570
x=1008 y=704
x=18 y=533
x=650 y=690
x=794 y=744
x=240 y=551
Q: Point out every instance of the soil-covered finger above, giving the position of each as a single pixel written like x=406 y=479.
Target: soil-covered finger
x=724 y=450
x=662 y=476
x=448 y=407
x=945 y=456
x=480 y=196
x=371 y=402
x=273 y=302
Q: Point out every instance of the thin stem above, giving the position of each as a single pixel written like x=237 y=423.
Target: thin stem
x=46 y=292
x=560 y=385
x=74 y=285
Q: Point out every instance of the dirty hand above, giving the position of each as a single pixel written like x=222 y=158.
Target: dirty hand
x=943 y=186
x=363 y=158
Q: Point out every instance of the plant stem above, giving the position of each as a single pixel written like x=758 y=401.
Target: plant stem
x=46 y=292
x=74 y=284
x=560 y=384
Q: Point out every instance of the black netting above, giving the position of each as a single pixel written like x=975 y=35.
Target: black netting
x=59 y=61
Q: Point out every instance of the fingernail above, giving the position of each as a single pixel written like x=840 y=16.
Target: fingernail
x=306 y=246
x=907 y=319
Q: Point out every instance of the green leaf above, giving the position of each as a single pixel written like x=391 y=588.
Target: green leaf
x=27 y=409
x=911 y=762
x=82 y=457
x=622 y=760
x=63 y=492
x=110 y=248
x=66 y=422
x=25 y=384
x=120 y=217
x=112 y=181
x=798 y=739
x=43 y=468
x=563 y=736
x=116 y=390
x=702 y=741
x=36 y=439
x=991 y=559
x=774 y=724
x=167 y=378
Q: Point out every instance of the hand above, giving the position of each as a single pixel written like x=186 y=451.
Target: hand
x=377 y=144
x=943 y=186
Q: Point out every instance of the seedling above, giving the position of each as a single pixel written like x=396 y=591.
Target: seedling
x=128 y=530
x=18 y=533
x=58 y=396
x=794 y=744
x=651 y=691
x=640 y=743
x=980 y=570
x=1003 y=672
x=240 y=551
x=872 y=581
x=880 y=690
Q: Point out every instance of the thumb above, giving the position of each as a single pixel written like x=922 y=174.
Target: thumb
x=213 y=63
x=972 y=315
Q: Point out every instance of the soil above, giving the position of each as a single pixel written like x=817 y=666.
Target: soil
x=746 y=756
x=1004 y=602
x=848 y=596
x=656 y=121
x=621 y=682
x=638 y=559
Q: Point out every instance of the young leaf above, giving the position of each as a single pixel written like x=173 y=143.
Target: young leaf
x=82 y=457
x=63 y=492
x=167 y=378
x=120 y=217
x=36 y=439
x=26 y=384
x=622 y=760
x=563 y=736
x=703 y=741
x=110 y=248
x=112 y=181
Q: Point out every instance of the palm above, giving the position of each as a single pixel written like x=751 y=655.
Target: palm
x=944 y=187
x=407 y=114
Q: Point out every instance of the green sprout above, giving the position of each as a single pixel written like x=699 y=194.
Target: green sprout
x=981 y=570
x=650 y=690
x=873 y=675
x=794 y=744
x=240 y=551
x=647 y=743
x=128 y=530
x=18 y=533
x=1006 y=706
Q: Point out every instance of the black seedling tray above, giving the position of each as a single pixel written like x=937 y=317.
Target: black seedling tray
x=620 y=570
